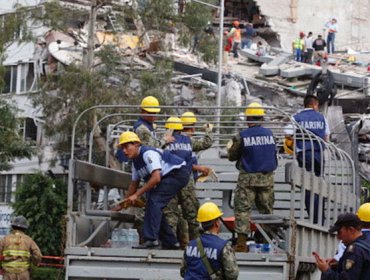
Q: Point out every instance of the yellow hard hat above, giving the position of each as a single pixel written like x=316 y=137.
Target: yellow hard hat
x=254 y=110
x=149 y=103
x=174 y=123
x=208 y=212
x=188 y=118
x=127 y=137
x=364 y=212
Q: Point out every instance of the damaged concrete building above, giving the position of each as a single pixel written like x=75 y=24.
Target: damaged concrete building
x=277 y=22
x=286 y=18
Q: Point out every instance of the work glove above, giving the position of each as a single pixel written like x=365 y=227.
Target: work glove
x=208 y=127
x=124 y=204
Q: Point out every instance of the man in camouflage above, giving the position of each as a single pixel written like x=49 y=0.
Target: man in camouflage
x=255 y=150
x=144 y=127
x=18 y=251
x=186 y=198
x=220 y=262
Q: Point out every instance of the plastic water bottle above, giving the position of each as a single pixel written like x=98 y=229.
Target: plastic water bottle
x=115 y=238
x=134 y=237
x=123 y=238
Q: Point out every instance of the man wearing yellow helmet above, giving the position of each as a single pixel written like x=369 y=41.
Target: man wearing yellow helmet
x=363 y=213
x=255 y=150
x=144 y=126
x=220 y=261
x=164 y=174
x=182 y=147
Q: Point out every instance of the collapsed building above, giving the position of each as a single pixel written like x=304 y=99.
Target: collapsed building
x=277 y=25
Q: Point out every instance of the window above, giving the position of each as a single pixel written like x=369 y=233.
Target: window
x=27 y=77
x=28 y=129
x=6 y=188
x=10 y=79
x=20 y=78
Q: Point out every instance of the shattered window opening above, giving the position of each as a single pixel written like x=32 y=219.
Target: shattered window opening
x=28 y=129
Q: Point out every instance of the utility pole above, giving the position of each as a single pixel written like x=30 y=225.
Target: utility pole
x=91 y=36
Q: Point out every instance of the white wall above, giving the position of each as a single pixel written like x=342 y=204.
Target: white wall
x=352 y=15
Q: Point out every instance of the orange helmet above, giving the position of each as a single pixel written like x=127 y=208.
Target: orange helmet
x=236 y=23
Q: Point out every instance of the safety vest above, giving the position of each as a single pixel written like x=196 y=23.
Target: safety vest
x=169 y=162
x=298 y=44
x=147 y=124
x=213 y=247
x=15 y=253
x=314 y=122
x=236 y=35
x=181 y=147
x=258 y=150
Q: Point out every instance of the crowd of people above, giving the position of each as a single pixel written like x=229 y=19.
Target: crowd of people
x=168 y=168
x=309 y=50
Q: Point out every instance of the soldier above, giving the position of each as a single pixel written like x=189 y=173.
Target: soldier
x=255 y=150
x=18 y=251
x=164 y=175
x=354 y=265
x=315 y=122
x=182 y=147
x=220 y=261
x=144 y=126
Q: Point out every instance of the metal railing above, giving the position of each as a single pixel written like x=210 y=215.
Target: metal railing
x=335 y=188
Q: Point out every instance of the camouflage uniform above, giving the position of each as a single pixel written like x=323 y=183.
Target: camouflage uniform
x=188 y=200
x=148 y=138
x=251 y=188
x=229 y=271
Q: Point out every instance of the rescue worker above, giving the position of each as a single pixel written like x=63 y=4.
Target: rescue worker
x=354 y=265
x=298 y=47
x=220 y=260
x=363 y=213
x=255 y=150
x=144 y=127
x=18 y=251
x=182 y=146
x=315 y=122
x=189 y=120
x=235 y=33
x=164 y=175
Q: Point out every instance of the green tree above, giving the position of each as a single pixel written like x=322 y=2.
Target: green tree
x=12 y=145
x=43 y=201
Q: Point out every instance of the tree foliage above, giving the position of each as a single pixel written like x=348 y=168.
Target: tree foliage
x=43 y=201
x=12 y=145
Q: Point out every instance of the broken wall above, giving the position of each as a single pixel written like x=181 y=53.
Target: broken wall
x=311 y=15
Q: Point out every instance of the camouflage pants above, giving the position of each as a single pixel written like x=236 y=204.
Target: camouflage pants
x=252 y=188
x=189 y=203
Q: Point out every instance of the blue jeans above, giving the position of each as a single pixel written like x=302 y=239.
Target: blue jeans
x=330 y=42
x=246 y=43
x=298 y=54
x=155 y=225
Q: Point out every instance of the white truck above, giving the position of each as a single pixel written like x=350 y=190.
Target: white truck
x=290 y=231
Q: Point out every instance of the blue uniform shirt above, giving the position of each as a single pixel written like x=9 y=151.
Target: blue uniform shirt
x=141 y=121
x=258 y=150
x=213 y=247
x=314 y=122
x=355 y=263
x=181 y=147
x=151 y=159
